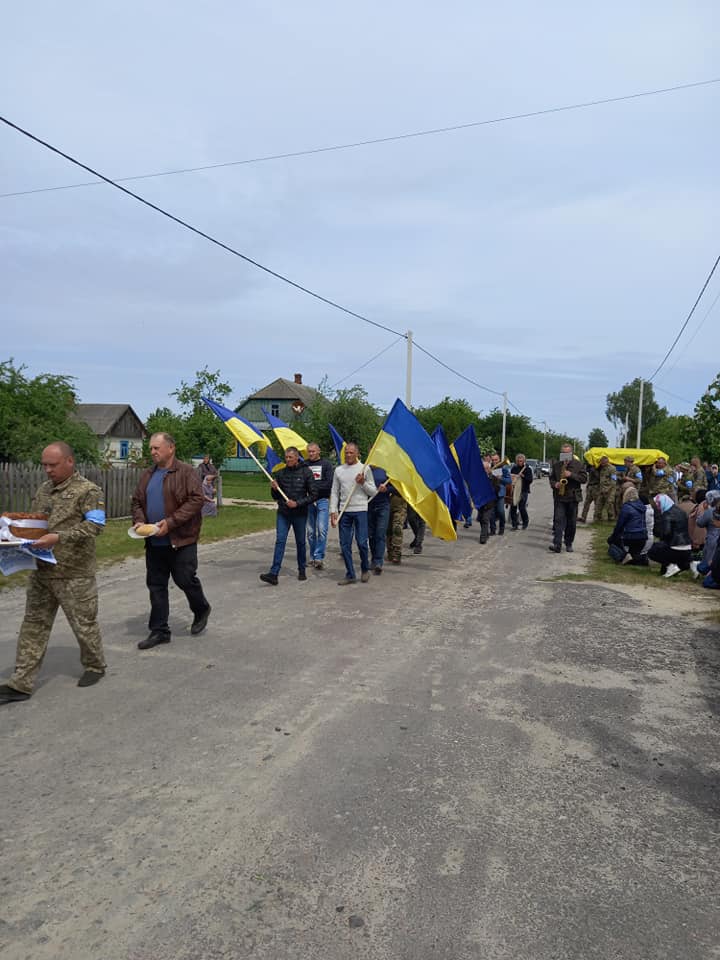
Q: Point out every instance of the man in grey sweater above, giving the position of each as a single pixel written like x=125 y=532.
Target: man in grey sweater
x=352 y=485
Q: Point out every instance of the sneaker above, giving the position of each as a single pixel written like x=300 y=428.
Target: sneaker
x=378 y=570
x=365 y=576
x=270 y=578
x=9 y=694
x=569 y=548
x=672 y=569
x=553 y=549
x=628 y=558
x=302 y=575
x=694 y=569
x=346 y=581
x=153 y=639
x=200 y=621
x=90 y=677
x=417 y=550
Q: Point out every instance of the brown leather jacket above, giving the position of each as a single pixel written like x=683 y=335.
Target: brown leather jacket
x=182 y=493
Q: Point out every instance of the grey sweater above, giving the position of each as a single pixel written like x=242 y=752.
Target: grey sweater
x=345 y=485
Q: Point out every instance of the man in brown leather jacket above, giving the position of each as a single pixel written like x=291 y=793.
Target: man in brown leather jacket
x=169 y=494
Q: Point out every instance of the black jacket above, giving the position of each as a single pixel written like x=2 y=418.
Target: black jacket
x=323 y=482
x=573 y=489
x=298 y=484
x=672 y=527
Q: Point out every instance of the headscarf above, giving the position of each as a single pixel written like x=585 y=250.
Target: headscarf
x=663 y=502
x=631 y=493
x=712 y=497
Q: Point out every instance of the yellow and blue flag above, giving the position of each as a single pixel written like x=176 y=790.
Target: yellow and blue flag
x=408 y=456
x=243 y=431
x=338 y=443
x=472 y=469
x=274 y=463
x=454 y=490
x=285 y=434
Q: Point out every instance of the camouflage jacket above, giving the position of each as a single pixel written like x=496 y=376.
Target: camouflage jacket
x=606 y=473
x=67 y=506
x=663 y=484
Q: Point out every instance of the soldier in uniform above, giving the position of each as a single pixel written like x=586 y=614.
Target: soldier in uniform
x=76 y=515
x=591 y=492
x=396 y=525
x=629 y=475
x=697 y=475
x=605 y=500
x=662 y=480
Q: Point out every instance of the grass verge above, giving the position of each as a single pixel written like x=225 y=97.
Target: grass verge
x=246 y=486
x=114 y=544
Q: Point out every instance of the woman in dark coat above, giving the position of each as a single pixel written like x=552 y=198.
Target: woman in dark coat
x=673 y=550
x=630 y=534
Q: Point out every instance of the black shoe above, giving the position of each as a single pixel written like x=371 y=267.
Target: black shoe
x=568 y=548
x=417 y=550
x=270 y=578
x=554 y=549
x=411 y=546
x=525 y=526
x=302 y=575
x=377 y=571
x=581 y=520
x=9 y=694
x=467 y=525
x=501 y=533
x=514 y=528
x=483 y=539
x=200 y=621
x=90 y=677
x=152 y=640
x=492 y=533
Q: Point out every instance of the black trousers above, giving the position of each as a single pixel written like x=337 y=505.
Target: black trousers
x=417 y=525
x=564 y=522
x=161 y=563
x=665 y=555
x=522 y=509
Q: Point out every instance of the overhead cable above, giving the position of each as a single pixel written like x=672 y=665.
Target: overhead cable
x=435 y=131
x=368 y=362
x=689 y=343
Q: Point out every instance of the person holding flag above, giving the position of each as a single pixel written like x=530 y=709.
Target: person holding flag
x=318 y=512
x=352 y=487
x=294 y=490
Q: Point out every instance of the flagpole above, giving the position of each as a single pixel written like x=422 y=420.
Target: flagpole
x=269 y=476
x=367 y=462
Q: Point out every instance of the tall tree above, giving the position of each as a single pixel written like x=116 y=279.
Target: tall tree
x=625 y=403
x=597 y=438
x=34 y=411
x=675 y=436
x=350 y=412
x=452 y=415
x=707 y=422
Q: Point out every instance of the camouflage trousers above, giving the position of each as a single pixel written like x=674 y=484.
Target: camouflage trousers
x=78 y=599
x=605 y=505
x=398 y=515
x=590 y=497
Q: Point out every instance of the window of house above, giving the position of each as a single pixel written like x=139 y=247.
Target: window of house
x=124 y=449
x=275 y=409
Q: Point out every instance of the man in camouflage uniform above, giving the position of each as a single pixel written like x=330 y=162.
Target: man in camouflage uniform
x=697 y=475
x=628 y=475
x=76 y=515
x=605 y=498
x=398 y=516
x=663 y=480
x=591 y=492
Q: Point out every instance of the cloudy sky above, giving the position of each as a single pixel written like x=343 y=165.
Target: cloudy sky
x=554 y=258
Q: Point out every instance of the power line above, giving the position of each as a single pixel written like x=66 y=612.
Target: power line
x=453 y=370
x=368 y=362
x=200 y=233
x=687 y=321
x=435 y=131
x=692 y=338
x=674 y=396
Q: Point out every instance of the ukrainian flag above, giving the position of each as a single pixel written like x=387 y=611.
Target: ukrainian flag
x=471 y=466
x=274 y=463
x=408 y=456
x=454 y=490
x=243 y=431
x=338 y=443
x=285 y=434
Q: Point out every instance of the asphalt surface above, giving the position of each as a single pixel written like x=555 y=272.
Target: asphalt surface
x=459 y=759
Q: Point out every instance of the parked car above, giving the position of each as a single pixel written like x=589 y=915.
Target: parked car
x=533 y=464
x=544 y=470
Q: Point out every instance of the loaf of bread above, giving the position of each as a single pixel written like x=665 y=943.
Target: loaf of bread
x=146 y=530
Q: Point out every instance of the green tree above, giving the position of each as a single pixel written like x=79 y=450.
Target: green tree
x=707 y=422
x=675 y=436
x=452 y=415
x=625 y=403
x=597 y=438
x=203 y=431
x=349 y=411
x=35 y=411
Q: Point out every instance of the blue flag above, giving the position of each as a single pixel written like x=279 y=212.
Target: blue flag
x=338 y=443
x=472 y=469
x=454 y=491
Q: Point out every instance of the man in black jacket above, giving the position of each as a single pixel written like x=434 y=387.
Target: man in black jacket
x=297 y=483
x=566 y=478
x=318 y=512
x=522 y=471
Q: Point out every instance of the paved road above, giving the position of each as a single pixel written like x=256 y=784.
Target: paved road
x=457 y=760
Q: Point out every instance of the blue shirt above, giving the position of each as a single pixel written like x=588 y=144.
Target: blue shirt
x=155 y=504
x=379 y=476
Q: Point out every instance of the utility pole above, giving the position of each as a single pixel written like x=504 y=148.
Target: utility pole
x=502 y=449
x=544 y=423
x=408 y=374
x=640 y=413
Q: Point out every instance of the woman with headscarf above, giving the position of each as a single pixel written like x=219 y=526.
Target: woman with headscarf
x=708 y=520
x=627 y=541
x=673 y=551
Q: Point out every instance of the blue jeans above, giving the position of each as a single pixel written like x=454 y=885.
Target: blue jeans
x=378 y=517
x=317 y=528
x=283 y=522
x=358 y=523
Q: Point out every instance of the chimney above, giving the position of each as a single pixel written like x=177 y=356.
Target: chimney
x=298 y=378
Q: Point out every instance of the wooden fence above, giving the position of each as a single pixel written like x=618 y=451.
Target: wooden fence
x=19 y=481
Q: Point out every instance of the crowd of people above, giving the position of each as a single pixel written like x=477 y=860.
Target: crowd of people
x=666 y=515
